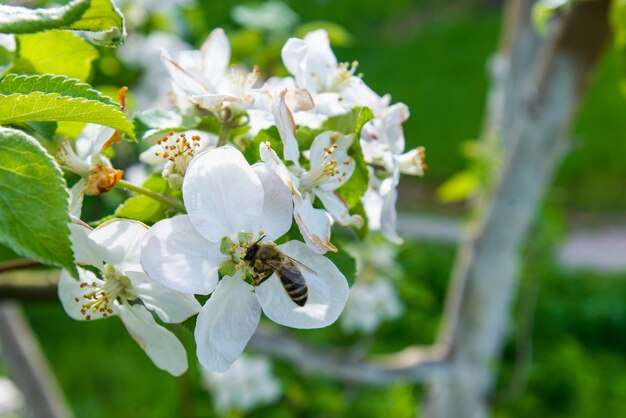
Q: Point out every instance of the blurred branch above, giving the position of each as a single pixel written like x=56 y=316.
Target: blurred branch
x=523 y=344
x=27 y=365
x=410 y=365
x=18 y=265
x=543 y=81
x=29 y=284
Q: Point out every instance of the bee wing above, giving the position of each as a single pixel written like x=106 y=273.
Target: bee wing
x=300 y=264
x=289 y=270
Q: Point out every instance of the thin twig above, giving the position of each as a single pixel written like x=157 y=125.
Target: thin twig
x=173 y=203
x=18 y=265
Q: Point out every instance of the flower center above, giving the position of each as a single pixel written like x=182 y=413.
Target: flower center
x=178 y=150
x=237 y=252
x=328 y=169
x=345 y=71
x=100 y=295
x=242 y=81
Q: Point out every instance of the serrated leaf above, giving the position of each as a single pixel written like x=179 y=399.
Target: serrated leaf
x=352 y=191
x=50 y=83
x=143 y=208
x=33 y=201
x=55 y=52
x=44 y=107
x=99 y=17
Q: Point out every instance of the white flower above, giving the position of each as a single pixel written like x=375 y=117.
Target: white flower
x=11 y=399
x=335 y=87
x=173 y=153
x=115 y=284
x=144 y=51
x=330 y=168
x=85 y=159
x=204 y=78
x=248 y=383
x=382 y=142
x=370 y=304
x=373 y=299
x=230 y=206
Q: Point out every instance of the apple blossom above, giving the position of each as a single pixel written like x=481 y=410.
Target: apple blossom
x=173 y=153
x=248 y=383
x=382 y=142
x=112 y=282
x=330 y=168
x=230 y=206
x=85 y=158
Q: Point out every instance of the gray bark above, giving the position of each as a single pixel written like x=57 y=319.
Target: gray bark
x=531 y=110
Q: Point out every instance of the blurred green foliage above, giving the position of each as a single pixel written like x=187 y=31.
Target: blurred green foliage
x=433 y=56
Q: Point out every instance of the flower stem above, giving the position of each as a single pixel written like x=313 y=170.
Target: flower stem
x=224 y=134
x=173 y=203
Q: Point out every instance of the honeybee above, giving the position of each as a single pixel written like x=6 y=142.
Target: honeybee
x=264 y=259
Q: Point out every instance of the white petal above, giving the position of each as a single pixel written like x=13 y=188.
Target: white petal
x=85 y=250
x=277 y=214
x=77 y=192
x=294 y=57
x=171 y=306
x=69 y=290
x=222 y=194
x=214 y=102
x=393 y=118
x=160 y=344
x=182 y=78
x=216 y=54
x=389 y=217
x=298 y=100
x=327 y=288
x=120 y=243
x=91 y=140
x=175 y=255
x=226 y=323
x=274 y=163
x=338 y=209
x=286 y=128
x=321 y=61
x=314 y=225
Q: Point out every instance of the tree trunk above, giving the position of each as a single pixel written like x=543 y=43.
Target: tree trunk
x=540 y=82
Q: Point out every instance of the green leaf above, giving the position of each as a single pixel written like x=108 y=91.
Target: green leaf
x=460 y=186
x=144 y=208
x=48 y=83
x=7 y=53
x=33 y=202
x=156 y=121
x=618 y=22
x=100 y=17
x=48 y=98
x=352 y=191
x=270 y=135
x=55 y=52
x=344 y=261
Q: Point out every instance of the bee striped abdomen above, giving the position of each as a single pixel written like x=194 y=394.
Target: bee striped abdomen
x=297 y=290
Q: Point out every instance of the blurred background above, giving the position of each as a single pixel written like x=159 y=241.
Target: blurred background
x=565 y=355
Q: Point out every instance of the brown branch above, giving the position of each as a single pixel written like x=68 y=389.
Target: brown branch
x=18 y=265
x=29 y=284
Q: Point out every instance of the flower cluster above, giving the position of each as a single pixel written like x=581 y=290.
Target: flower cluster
x=256 y=174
